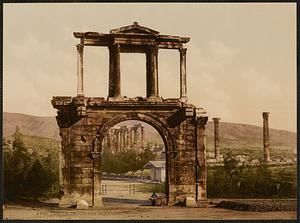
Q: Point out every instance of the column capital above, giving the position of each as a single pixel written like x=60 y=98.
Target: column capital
x=183 y=50
x=153 y=49
x=216 y=119
x=80 y=47
x=265 y=114
x=114 y=46
x=201 y=121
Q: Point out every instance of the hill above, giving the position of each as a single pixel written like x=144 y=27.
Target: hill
x=242 y=138
x=248 y=140
x=30 y=125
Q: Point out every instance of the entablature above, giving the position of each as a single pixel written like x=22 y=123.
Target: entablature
x=131 y=36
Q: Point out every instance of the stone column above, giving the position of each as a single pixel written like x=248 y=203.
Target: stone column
x=114 y=140
x=114 y=86
x=128 y=139
x=104 y=143
x=216 y=139
x=124 y=139
x=80 y=69
x=121 y=140
x=108 y=143
x=117 y=141
x=183 y=88
x=152 y=72
x=266 y=136
x=135 y=137
x=131 y=142
x=142 y=138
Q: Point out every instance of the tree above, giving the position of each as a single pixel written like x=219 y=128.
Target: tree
x=38 y=179
x=145 y=157
x=51 y=166
x=126 y=161
x=28 y=174
x=16 y=166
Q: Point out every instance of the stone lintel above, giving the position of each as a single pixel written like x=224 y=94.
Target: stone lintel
x=59 y=101
x=137 y=45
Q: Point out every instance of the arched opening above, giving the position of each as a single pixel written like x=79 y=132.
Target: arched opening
x=133 y=164
x=169 y=144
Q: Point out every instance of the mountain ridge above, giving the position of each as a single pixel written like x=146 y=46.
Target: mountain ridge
x=231 y=134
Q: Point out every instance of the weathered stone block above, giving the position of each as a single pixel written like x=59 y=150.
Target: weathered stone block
x=190 y=202
x=82 y=204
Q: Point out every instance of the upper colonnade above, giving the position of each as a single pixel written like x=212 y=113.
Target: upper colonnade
x=132 y=39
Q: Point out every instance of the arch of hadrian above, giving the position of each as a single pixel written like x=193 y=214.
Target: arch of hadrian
x=85 y=121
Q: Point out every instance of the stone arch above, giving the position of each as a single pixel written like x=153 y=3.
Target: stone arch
x=160 y=127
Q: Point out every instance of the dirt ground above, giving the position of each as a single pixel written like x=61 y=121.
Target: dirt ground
x=118 y=211
x=125 y=206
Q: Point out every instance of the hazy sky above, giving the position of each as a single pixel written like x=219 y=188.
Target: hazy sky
x=241 y=59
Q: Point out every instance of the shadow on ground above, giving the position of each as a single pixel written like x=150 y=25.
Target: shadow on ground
x=112 y=200
x=263 y=205
x=33 y=204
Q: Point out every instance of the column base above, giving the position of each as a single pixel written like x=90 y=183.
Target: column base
x=116 y=98
x=154 y=98
x=183 y=99
x=97 y=202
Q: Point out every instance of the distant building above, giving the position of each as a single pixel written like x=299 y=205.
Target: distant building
x=157 y=170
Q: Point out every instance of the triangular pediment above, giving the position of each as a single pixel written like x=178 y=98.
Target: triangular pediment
x=135 y=28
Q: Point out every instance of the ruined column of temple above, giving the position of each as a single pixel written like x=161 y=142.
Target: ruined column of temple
x=79 y=69
x=117 y=141
x=152 y=72
x=124 y=138
x=266 y=136
x=108 y=142
x=121 y=141
x=216 y=139
x=128 y=138
x=183 y=87
x=114 y=140
x=104 y=142
x=135 y=138
x=142 y=138
x=114 y=86
x=131 y=135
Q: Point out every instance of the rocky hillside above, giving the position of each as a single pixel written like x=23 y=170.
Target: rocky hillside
x=235 y=136
x=30 y=125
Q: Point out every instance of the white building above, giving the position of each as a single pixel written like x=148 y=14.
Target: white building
x=157 y=170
